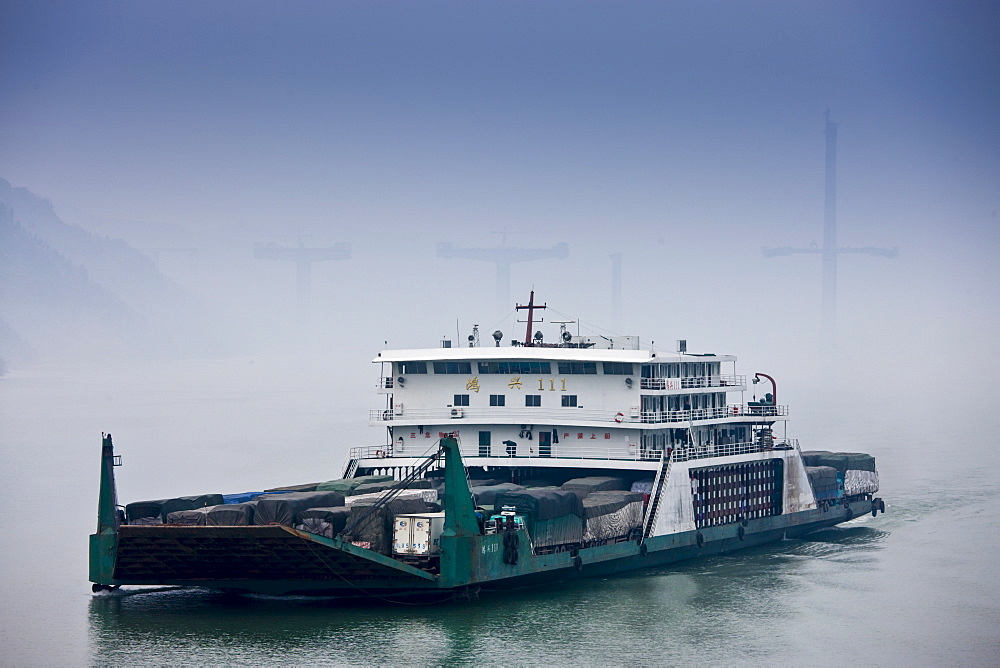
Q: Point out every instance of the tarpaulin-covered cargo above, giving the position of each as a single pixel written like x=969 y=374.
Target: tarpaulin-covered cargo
x=191 y=518
x=592 y=484
x=860 y=482
x=564 y=530
x=371 y=487
x=486 y=482
x=485 y=495
x=814 y=457
x=323 y=521
x=643 y=486
x=371 y=527
x=231 y=514
x=426 y=495
x=145 y=521
x=842 y=461
x=611 y=514
x=242 y=497
x=348 y=485
x=541 y=504
x=281 y=508
x=307 y=487
x=825 y=481
x=163 y=507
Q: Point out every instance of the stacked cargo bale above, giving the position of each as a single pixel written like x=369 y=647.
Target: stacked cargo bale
x=857 y=469
x=346 y=486
x=232 y=514
x=591 y=484
x=370 y=526
x=281 y=508
x=554 y=516
x=307 y=487
x=147 y=512
x=429 y=496
x=485 y=495
x=371 y=487
x=323 y=521
x=824 y=482
x=189 y=518
x=611 y=514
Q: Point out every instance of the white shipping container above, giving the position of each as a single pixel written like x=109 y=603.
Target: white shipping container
x=417 y=534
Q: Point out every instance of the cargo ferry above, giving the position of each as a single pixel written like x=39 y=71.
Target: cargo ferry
x=505 y=465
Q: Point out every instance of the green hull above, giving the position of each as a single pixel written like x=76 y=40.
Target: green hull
x=279 y=560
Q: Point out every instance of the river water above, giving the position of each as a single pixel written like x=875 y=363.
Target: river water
x=916 y=586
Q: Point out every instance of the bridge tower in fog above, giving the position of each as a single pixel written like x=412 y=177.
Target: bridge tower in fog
x=303 y=258
x=829 y=250
x=503 y=257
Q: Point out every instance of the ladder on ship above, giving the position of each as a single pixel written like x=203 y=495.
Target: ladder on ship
x=657 y=494
x=350 y=469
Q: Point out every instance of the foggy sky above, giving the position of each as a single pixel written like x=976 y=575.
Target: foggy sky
x=684 y=134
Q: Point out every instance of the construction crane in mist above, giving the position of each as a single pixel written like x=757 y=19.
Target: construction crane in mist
x=503 y=257
x=303 y=258
x=829 y=249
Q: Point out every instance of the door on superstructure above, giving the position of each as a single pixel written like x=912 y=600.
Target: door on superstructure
x=544 y=444
x=484 y=443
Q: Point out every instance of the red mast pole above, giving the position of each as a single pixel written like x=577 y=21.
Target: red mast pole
x=531 y=313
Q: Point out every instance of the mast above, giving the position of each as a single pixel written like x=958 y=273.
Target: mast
x=531 y=313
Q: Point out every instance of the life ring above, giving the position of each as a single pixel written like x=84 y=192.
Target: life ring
x=619 y=417
x=380 y=454
x=736 y=410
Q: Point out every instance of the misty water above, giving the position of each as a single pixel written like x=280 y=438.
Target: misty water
x=916 y=586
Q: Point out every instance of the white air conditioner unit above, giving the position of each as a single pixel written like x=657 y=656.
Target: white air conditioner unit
x=397 y=409
x=633 y=411
x=456 y=412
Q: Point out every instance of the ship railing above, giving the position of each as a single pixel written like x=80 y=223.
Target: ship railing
x=692 y=382
x=566 y=415
x=386 y=383
x=734 y=410
x=692 y=452
x=529 y=450
x=568 y=449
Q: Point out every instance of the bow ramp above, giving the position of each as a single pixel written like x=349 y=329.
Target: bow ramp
x=270 y=559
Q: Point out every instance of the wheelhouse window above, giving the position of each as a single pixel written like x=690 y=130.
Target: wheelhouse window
x=461 y=400
x=617 y=368
x=412 y=367
x=532 y=400
x=569 y=400
x=453 y=367
x=498 y=400
x=584 y=368
x=515 y=367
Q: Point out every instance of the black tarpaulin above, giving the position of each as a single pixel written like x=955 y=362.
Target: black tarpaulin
x=281 y=508
x=542 y=504
x=163 y=507
x=232 y=514
x=323 y=521
x=592 y=484
x=484 y=495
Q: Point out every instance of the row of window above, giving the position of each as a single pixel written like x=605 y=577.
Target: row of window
x=516 y=367
x=529 y=400
x=681 y=370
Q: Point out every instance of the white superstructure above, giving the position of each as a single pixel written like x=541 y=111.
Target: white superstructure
x=593 y=404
